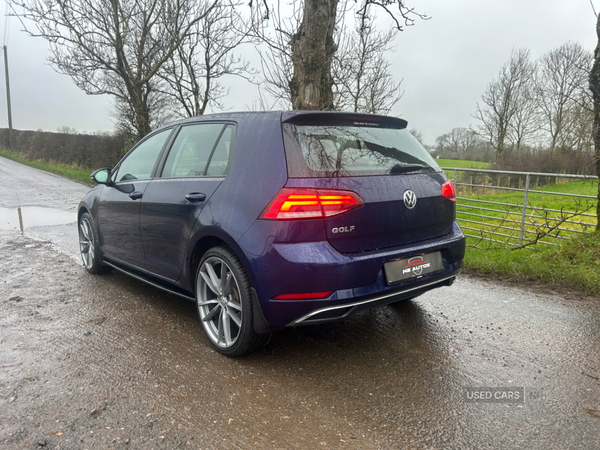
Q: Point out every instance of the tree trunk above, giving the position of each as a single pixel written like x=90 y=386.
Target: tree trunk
x=139 y=101
x=500 y=145
x=595 y=88
x=312 y=50
x=143 y=122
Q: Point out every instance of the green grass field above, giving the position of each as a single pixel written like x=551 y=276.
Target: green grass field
x=449 y=164
x=462 y=164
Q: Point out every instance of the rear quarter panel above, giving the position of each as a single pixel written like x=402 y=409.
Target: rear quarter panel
x=257 y=173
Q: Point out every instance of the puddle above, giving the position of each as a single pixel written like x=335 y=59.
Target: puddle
x=35 y=216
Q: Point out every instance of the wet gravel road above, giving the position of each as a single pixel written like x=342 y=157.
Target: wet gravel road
x=108 y=362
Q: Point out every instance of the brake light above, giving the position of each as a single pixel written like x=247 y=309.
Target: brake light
x=306 y=296
x=448 y=191
x=301 y=203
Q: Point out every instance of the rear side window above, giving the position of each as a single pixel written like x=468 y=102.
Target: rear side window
x=338 y=150
x=219 y=161
x=200 y=150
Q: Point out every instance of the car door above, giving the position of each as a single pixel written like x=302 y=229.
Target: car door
x=193 y=169
x=119 y=202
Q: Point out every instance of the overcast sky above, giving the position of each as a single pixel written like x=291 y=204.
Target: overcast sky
x=445 y=62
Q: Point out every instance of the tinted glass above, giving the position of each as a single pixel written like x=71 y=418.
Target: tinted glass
x=219 y=160
x=191 y=150
x=345 y=151
x=139 y=163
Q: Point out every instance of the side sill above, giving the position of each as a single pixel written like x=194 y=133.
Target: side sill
x=146 y=280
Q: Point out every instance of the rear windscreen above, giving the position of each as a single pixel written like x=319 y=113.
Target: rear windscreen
x=348 y=150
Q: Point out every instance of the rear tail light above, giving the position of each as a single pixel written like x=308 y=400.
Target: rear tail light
x=448 y=191
x=306 y=296
x=300 y=203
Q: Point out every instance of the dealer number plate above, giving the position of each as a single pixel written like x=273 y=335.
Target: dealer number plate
x=415 y=267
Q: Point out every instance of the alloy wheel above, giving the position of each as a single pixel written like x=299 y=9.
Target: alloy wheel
x=219 y=302
x=86 y=243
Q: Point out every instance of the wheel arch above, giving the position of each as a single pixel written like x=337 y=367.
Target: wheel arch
x=81 y=210
x=215 y=238
x=208 y=239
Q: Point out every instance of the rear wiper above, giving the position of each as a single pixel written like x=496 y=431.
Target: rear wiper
x=403 y=168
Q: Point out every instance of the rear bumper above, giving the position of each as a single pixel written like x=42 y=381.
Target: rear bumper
x=339 y=312
x=357 y=280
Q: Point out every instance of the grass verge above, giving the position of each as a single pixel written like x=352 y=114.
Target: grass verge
x=575 y=264
x=74 y=173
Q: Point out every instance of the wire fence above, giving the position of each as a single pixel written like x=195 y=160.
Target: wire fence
x=521 y=209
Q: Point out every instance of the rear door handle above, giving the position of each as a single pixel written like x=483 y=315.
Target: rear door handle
x=195 y=197
x=135 y=195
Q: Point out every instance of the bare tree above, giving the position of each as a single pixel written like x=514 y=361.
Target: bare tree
x=458 y=143
x=361 y=74
x=160 y=110
x=526 y=119
x=67 y=130
x=276 y=60
x=577 y=134
x=417 y=135
x=312 y=44
x=191 y=75
x=114 y=47
x=503 y=99
x=563 y=75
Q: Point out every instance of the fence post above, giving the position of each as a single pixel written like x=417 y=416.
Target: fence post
x=524 y=210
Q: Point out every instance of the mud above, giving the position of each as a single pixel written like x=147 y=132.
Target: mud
x=109 y=362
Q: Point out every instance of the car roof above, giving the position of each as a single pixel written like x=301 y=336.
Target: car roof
x=289 y=116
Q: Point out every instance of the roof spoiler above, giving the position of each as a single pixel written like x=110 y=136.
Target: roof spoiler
x=342 y=119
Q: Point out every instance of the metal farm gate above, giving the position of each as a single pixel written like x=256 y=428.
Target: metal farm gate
x=526 y=218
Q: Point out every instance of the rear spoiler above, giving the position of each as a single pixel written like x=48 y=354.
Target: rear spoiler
x=342 y=119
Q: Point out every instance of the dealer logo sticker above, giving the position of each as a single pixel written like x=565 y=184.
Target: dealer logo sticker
x=416 y=265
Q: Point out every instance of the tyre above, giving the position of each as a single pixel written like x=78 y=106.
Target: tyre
x=88 y=246
x=224 y=303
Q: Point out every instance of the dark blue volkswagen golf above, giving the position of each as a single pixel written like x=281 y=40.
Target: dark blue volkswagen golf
x=276 y=219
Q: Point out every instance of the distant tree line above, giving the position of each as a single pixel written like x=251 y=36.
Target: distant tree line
x=85 y=151
x=534 y=115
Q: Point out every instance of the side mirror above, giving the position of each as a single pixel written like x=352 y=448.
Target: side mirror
x=102 y=176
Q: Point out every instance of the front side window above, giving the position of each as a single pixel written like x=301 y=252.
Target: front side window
x=349 y=150
x=138 y=165
x=199 y=150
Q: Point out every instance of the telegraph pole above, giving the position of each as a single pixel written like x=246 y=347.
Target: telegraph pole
x=8 y=98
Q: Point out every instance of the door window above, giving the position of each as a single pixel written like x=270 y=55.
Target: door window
x=138 y=165
x=191 y=151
